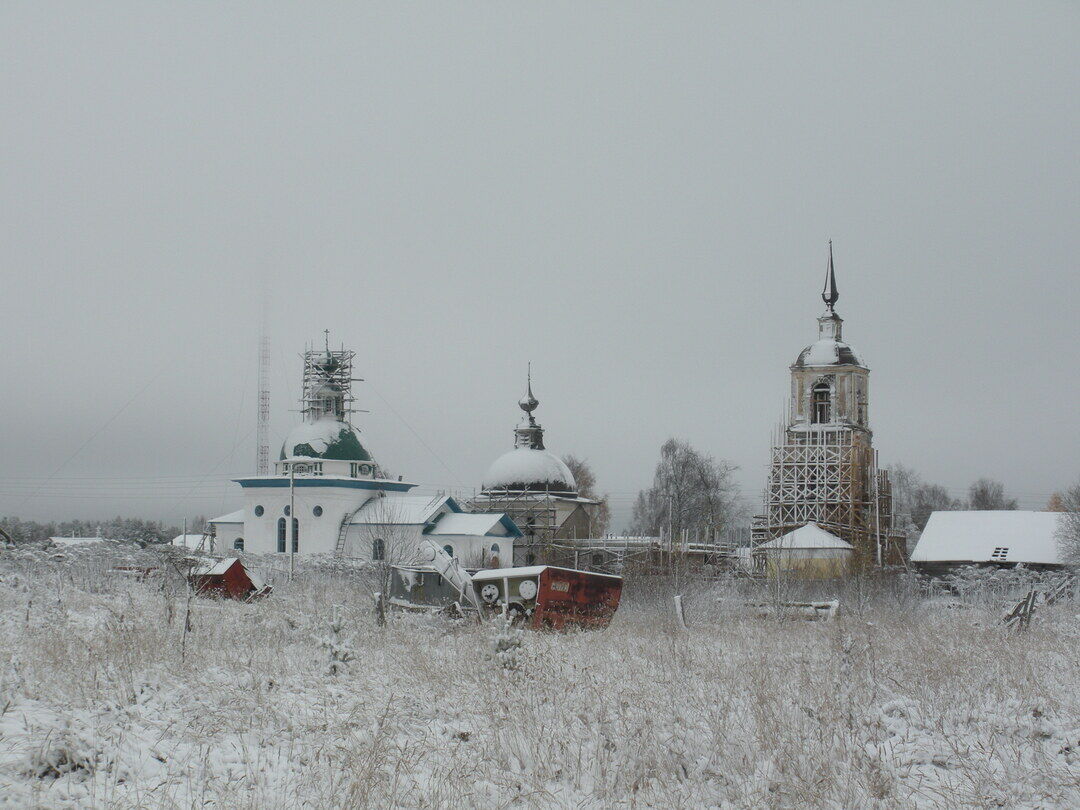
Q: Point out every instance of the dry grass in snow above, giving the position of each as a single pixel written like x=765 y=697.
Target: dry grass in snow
x=107 y=702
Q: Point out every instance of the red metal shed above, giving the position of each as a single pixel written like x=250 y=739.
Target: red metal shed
x=227 y=578
x=551 y=597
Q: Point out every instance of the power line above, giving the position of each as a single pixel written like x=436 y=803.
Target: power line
x=405 y=422
x=95 y=434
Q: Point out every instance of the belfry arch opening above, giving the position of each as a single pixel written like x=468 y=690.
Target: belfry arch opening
x=821 y=403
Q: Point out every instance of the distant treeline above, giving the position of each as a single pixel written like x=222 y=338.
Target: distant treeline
x=117 y=528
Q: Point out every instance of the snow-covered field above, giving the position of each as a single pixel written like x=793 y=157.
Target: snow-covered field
x=107 y=702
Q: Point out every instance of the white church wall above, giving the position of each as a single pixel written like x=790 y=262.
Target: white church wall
x=399 y=541
x=318 y=533
x=226 y=535
x=476 y=551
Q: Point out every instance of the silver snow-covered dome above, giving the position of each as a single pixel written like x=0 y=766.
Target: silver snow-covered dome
x=828 y=352
x=530 y=469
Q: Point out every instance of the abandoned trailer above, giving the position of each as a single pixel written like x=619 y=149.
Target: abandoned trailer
x=227 y=579
x=414 y=587
x=547 y=597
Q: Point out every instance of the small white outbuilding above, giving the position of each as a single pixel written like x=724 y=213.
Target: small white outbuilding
x=198 y=541
x=989 y=538
x=808 y=552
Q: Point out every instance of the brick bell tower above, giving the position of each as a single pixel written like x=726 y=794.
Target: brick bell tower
x=823 y=468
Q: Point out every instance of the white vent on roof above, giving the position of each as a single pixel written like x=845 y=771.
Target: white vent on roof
x=1000 y=553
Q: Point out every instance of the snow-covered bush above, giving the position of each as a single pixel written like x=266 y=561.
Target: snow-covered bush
x=339 y=651
x=506 y=643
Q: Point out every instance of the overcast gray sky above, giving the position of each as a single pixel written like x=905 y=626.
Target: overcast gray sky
x=635 y=196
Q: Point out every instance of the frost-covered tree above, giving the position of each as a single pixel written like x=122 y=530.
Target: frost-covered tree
x=586 y=484
x=144 y=532
x=904 y=482
x=915 y=500
x=690 y=490
x=986 y=494
x=1069 y=532
x=339 y=650
x=930 y=498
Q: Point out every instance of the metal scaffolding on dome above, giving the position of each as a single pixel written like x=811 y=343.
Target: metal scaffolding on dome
x=533 y=511
x=328 y=376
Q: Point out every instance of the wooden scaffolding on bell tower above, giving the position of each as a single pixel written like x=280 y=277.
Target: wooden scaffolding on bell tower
x=830 y=476
x=824 y=468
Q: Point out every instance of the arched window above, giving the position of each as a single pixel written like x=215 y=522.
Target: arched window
x=281 y=535
x=238 y=544
x=449 y=550
x=494 y=548
x=378 y=549
x=295 y=535
x=820 y=409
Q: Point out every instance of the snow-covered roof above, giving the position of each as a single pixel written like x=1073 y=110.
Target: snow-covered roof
x=467 y=523
x=403 y=509
x=191 y=541
x=501 y=573
x=232 y=517
x=420 y=510
x=528 y=468
x=997 y=536
x=529 y=571
x=828 y=352
x=809 y=536
x=536 y=496
x=214 y=568
x=79 y=541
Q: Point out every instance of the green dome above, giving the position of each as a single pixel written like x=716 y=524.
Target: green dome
x=325 y=438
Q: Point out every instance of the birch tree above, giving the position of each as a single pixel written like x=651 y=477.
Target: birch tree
x=690 y=490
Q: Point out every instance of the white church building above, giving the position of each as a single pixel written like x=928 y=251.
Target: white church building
x=327 y=495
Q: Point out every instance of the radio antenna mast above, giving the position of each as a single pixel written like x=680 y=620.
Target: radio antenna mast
x=262 y=433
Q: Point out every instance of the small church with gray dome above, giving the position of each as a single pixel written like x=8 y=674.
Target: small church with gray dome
x=537 y=490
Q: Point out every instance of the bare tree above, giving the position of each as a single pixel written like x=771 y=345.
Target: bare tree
x=986 y=494
x=915 y=500
x=691 y=490
x=385 y=541
x=1068 y=536
x=586 y=485
x=930 y=498
x=905 y=481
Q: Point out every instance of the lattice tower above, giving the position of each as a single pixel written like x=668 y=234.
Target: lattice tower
x=262 y=435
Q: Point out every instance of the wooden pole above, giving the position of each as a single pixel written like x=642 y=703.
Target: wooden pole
x=680 y=617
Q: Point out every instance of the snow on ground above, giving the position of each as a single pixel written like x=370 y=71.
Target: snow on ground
x=107 y=702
